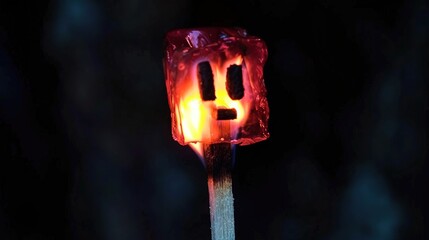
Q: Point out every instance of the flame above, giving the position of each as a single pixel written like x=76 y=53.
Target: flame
x=195 y=116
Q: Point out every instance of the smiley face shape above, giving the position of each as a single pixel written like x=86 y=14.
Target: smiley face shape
x=214 y=79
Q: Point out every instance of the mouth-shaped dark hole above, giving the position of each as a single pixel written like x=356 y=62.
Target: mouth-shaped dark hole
x=234 y=82
x=226 y=114
x=206 y=81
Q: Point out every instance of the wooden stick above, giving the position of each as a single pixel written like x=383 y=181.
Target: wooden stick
x=218 y=159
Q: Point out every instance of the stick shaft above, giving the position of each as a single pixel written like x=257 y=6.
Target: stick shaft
x=219 y=164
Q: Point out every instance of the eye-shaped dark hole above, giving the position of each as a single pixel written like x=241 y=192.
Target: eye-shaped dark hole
x=205 y=81
x=234 y=82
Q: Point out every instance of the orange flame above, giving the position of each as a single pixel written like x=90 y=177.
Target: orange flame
x=198 y=125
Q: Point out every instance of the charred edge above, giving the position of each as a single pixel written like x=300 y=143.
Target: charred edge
x=226 y=114
x=205 y=81
x=234 y=82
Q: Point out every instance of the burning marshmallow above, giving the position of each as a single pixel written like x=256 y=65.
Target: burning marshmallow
x=215 y=86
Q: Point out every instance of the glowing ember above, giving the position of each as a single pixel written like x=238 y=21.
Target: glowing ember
x=215 y=85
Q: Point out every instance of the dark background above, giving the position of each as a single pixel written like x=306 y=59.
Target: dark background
x=86 y=150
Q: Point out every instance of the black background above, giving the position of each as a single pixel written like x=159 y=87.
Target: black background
x=87 y=151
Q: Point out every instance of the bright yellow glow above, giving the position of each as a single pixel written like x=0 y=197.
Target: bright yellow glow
x=196 y=115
